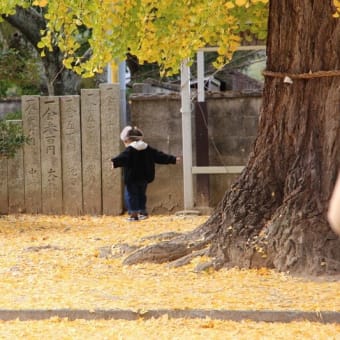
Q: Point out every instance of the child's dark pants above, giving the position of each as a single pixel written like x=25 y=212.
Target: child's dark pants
x=135 y=197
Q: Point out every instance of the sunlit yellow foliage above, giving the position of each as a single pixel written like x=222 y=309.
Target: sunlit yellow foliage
x=241 y=2
x=337 y=6
x=40 y=3
x=159 y=31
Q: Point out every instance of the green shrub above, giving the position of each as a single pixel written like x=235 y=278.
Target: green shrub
x=13 y=115
x=4 y=86
x=19 y=74
x=11 y=138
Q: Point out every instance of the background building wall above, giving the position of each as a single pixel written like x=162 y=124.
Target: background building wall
x=232 y=128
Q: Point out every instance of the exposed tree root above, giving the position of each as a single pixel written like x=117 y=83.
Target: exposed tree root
x=162 y=237
x=44 y=247
x=182 y=248
x=188 y=258
x=165 y=251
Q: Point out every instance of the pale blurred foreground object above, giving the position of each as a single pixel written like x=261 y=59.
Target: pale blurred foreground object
x=334 y=208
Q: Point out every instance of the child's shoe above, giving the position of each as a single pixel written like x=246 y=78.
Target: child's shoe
x=143 y=216
x=133 y=217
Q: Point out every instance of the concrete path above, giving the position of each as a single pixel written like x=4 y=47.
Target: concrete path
x=232 y=315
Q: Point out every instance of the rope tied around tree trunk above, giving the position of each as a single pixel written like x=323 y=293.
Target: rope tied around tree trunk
x=309 y=75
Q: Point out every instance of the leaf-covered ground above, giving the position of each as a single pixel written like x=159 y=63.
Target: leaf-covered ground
x=49 y=262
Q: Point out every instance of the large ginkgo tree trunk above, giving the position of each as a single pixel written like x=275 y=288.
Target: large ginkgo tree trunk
x=275 y=213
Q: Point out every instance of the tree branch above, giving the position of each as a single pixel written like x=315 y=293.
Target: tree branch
x=29 y=22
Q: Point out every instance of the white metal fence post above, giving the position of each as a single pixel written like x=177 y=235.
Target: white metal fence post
x=186 y=135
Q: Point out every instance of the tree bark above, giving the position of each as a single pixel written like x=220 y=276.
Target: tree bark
x=59 y=80
x=275 y=213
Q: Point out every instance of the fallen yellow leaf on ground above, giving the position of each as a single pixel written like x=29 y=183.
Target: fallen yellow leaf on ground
x=159 y=329
x=52 y=262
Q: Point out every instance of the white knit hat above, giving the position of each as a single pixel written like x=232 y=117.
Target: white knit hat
x=124 y=133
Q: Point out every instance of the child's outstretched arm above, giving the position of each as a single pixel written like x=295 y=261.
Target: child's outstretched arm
x=121 y=160
x=162 y=158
